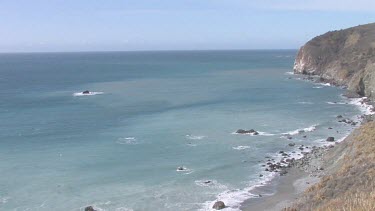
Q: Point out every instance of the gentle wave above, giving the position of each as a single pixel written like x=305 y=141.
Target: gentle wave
x=289 y=73
x=127 y=140
x=241 y=147
x=79 y=94
x=337 y=103
x=195 y=137
x=301 y=130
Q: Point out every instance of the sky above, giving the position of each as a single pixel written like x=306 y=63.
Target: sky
x=127 y=25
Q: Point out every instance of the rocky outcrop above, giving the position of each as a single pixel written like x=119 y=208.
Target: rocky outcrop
x=344 y=58
x=218 y=205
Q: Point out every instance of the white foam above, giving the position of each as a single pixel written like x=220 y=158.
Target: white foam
x=127 y=140
x=363 y=107
x=241 y=147
x=317 y=87
x=289 y=73
x=325 y=84
x=308 y=103
x=192 y=137
x=184 y=169
x=301 y=130
x=79 y=94
x=233 y=198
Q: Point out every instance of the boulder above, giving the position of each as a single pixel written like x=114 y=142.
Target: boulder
x=330 y=139
x=86 y=92
x=218 y=205
x=291 y=144
x=89 y=208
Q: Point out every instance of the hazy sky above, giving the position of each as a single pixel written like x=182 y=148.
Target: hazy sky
x=95 y=25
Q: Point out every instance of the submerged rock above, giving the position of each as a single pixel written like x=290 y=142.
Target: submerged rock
x=218 y=205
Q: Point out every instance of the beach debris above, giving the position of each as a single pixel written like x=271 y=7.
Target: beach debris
x=218 y=205
x=330 y=139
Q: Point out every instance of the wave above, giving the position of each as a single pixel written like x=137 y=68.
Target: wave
x=362 y=105
x=241 y=147
x=317 y=87
x=289 y=73
x=307 y=103
x=127 y=140
x=195 y=137
x=301 y=130
x=184 y=169
x=79 y=94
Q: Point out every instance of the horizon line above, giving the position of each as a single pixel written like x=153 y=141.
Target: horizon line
x=161 y=50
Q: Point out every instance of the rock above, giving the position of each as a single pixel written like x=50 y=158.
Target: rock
x=218 y=205
x=260 y=175
x=339 y=116
x=181 y=168
x=242 y=131
x=330 y=139
x=207 y=182
x=291 y=144
x=330 y=128
x=304 y=136
x=86 y=92
x=89 y=208
x=289 y=137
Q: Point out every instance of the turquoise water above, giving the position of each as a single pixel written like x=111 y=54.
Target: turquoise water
x=154 y=111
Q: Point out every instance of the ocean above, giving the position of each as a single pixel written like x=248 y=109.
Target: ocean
x=147 y=114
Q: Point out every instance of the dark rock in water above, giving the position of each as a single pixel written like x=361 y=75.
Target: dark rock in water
x=218 y=205
x=89 y=208
x=339 y=117
x=181 y=168
x=283 y=172
x=207 y=182
x=330 y=128
x=86 y=92
x=242 y=131
x=330 y=139
x=291 y=144
x=304 y=136
x=260 y=175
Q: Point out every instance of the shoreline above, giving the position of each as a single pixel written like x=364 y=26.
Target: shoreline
x=302 y=173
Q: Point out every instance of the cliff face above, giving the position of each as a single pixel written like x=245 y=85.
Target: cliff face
x=345 y=57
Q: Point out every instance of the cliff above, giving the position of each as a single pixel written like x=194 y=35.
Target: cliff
x=344 y=58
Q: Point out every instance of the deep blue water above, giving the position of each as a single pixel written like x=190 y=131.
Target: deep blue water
x=119 y=150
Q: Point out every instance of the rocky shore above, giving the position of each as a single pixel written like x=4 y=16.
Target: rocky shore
x=341 y=175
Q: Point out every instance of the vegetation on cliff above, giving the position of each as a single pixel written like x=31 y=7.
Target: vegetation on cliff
x=345 y=57
x=349 y=183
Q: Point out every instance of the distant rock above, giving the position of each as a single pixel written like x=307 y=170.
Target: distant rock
x=251 y=131
x=330 y=139
x=291 y=144
x=86 y=92
x=218 y=205
x=89 y=208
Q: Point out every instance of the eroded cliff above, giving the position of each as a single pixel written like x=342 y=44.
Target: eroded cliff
x=345 y=58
